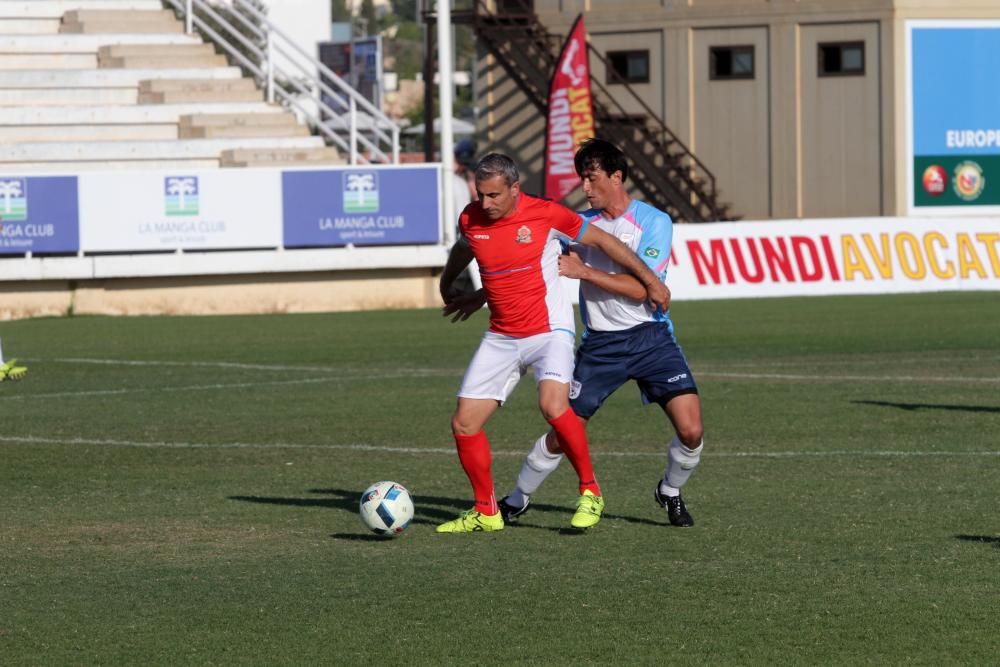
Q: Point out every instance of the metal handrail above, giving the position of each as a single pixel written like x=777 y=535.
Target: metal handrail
x=512 y=20
x=306 y=80
x=650 y=114
x=697 y=179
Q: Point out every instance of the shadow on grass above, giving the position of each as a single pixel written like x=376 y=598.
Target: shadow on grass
x=984 y=539
x=429 y=510
x=930 y=406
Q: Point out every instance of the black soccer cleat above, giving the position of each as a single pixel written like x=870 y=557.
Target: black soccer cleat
x=509 y=512
x=676 y=511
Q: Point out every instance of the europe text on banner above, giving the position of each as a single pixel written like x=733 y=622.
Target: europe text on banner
x=571 y=116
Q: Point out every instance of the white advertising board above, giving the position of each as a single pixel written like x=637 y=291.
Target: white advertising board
x=185 y=210
x=818 y=257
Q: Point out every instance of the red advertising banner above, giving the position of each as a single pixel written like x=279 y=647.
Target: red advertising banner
x=571 y=117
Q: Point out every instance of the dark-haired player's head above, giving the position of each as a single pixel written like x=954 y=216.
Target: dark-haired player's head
x=600 y=154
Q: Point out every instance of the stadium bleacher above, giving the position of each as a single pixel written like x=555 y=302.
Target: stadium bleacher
x=106 y=84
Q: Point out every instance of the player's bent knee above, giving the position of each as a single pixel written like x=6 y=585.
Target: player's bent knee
x=553 y=409
x=691 y=436
x=464 y=426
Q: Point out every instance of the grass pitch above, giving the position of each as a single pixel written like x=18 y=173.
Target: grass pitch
x=184 y=491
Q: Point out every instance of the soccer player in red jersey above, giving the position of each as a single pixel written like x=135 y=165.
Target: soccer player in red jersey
x=515 y=238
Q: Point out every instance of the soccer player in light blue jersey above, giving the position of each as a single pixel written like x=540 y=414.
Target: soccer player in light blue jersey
x=624 y=339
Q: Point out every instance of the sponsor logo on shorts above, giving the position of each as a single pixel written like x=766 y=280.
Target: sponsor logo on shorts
x=651 y=252
x=574 y=388
x=523 y=234
x=485 y=237
x=677 y=377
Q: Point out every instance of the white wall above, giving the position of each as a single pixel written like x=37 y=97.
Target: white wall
x=307 y=22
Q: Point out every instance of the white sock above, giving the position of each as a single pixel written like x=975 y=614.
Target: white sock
x=681 y=463
x=538 y=465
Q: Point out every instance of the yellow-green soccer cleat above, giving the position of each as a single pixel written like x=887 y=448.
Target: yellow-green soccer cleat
x=11 y=371
x=472 y=521
x=588 y=510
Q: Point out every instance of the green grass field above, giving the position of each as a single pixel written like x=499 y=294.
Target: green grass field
x=184 y=491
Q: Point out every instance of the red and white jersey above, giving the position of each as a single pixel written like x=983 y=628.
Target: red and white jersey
x=518 y=260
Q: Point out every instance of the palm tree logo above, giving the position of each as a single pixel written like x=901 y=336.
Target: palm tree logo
x=13 y=199
x=360 y=192
x=181 y=195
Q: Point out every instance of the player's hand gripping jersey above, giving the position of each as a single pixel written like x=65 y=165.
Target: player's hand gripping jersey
x=518 y=259
x=648 y=232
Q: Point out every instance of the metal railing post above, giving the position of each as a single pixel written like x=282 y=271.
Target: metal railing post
x=270 y=67
x=310 y=87
x=354 y=130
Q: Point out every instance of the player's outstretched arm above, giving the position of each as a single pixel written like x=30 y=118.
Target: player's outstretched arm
x=619 y=284
x=656 y=292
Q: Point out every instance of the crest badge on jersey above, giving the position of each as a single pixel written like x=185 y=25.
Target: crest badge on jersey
x=651 y=252
x=523 y=234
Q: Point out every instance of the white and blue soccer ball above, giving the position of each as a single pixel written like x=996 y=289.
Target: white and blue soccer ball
x=386 y=508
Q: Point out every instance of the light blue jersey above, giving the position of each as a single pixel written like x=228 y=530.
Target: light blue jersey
x=649 y=232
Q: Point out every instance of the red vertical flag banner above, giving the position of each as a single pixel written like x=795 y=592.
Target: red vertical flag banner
x=571 y=115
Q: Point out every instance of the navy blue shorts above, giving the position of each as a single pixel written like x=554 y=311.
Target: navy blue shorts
x=648 y=354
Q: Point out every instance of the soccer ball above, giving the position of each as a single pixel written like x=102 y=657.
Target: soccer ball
x=386 y=508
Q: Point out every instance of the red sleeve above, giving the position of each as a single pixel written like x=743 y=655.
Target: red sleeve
x=565 y=220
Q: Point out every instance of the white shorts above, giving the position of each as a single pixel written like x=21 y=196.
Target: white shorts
x=501 y=361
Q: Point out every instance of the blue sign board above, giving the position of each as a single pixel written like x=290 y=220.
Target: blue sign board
x=360 y=206
x=956 y=91
x=954 y=160
x=39 y=214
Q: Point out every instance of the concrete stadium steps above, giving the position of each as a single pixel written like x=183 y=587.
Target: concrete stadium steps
x=75 y=133
x=56 y=9
x=110 y=78
x=65 y=97
x=116 y=84
x=149 y=151
x=27 y=26
x=104 y=165
x=93 y=21
x=43 y=61
x=154 y=62
x=159 y=56
x=147 y=113
x=154 y=50
x=219 y=126
x=181 y=91
x=281 y=157
x=90 y=44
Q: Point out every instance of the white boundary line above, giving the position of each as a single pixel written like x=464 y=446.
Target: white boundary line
x=34 y=440
x=347 y=374
x=847 y=378
x=232 y=385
